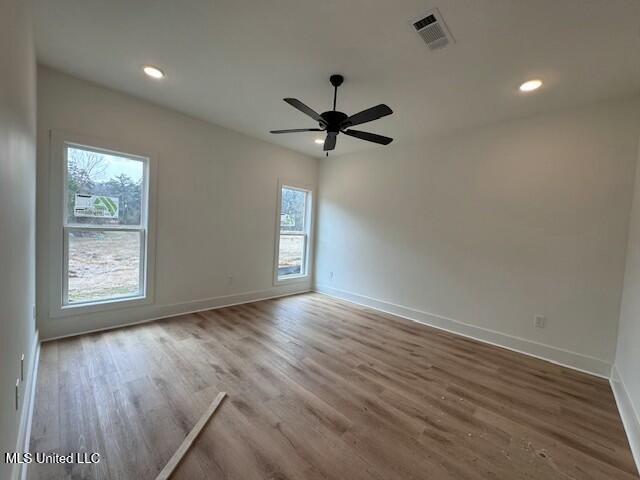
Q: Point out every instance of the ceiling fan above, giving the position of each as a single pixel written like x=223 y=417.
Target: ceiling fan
x=334 y=122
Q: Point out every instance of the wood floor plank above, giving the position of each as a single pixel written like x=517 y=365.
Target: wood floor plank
x=319 y=389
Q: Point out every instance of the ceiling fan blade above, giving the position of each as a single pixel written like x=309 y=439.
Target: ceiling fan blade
x=293 y=130
x=297 y=104
x=330 y=142
x=367 y=115
x=369 y=137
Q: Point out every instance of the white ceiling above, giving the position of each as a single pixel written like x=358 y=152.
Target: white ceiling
x=232 y=61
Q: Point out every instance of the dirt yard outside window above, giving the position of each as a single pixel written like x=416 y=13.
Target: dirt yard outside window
x=103 y=265
x=291 y=252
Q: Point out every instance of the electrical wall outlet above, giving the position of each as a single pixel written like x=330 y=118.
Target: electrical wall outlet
x=330 y=276
x=229 y=280
x=540 y=321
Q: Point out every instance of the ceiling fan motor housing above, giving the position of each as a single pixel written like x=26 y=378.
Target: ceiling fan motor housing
x=333 y=119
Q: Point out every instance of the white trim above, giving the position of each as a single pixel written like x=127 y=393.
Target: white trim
x=19 y=471
x=308 y=241
x=185 y=308
x=565 y=358
x=58 y=225
x=628 y=414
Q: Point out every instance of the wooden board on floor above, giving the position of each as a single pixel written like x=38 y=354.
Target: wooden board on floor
x=186 y=444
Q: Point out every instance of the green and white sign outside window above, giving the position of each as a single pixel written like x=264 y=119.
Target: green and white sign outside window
x=96 y=206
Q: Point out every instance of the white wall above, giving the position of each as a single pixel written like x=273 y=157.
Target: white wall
x=626 y=378
x=17 y=212
x=490 y=228
x=216 y=196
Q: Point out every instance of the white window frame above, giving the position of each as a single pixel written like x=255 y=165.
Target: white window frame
x=308 y=242
x=59 y=228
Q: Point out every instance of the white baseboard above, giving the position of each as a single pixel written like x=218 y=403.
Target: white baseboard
x=565 y=358
x=173 y=310
x=630 y=418
x=24 y=430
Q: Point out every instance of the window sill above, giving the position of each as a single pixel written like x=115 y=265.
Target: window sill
x=291 y=279
x=95 y=307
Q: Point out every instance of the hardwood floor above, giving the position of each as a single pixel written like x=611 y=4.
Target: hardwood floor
x=319 y=389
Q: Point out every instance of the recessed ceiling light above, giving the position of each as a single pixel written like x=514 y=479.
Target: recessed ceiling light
x=153 y=72
x=530 y=85
x=319 y=141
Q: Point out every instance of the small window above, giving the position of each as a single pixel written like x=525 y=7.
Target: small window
x=293 y=238
x=104 y=226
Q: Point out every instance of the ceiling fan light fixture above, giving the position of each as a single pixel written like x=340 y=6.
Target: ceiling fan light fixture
x=319 y=141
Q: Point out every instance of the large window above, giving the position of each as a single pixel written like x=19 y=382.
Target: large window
x=293 y=237
x=104 y=226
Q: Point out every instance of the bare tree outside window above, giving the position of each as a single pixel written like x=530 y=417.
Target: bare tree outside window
x=99 y=174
